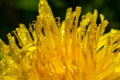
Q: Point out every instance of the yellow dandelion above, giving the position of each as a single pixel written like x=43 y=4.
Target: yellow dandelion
x=54 y=50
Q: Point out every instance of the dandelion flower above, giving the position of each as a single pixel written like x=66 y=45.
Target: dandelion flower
x=70 y=50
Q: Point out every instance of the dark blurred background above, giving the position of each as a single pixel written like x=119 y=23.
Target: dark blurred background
x=13 y=12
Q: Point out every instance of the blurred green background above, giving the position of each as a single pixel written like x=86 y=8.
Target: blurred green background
x=13 y=12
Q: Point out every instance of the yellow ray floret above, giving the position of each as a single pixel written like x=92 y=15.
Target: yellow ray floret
x=75 y=49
